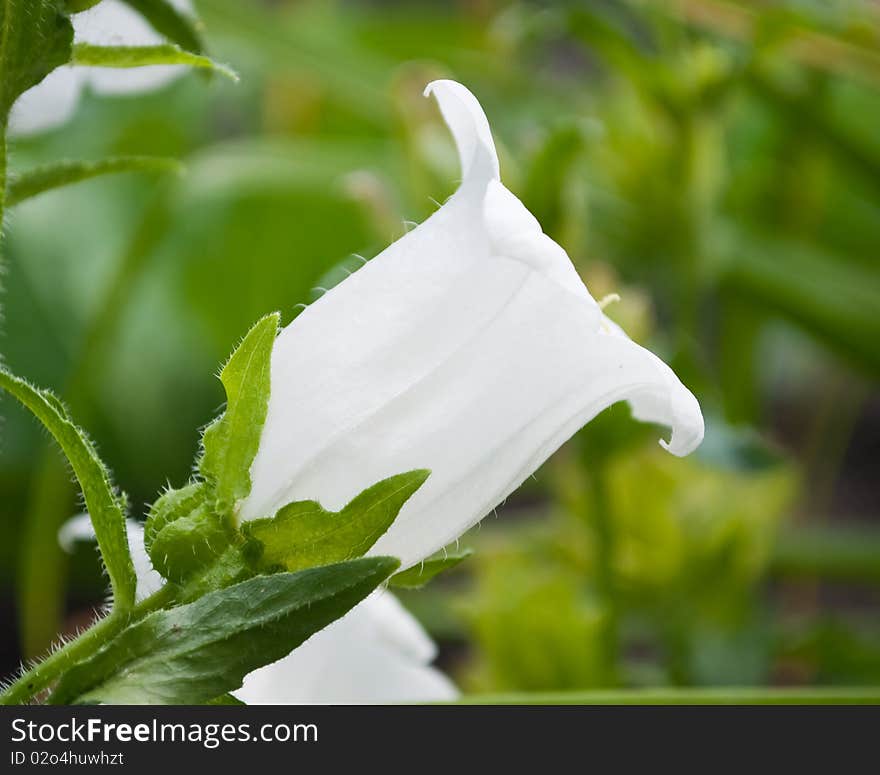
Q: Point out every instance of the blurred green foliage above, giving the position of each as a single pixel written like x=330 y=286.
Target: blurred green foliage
x=716 y=163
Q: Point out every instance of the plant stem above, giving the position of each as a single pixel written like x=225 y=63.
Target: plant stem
x=710 y=695
x=603 y=529
x=39 y=677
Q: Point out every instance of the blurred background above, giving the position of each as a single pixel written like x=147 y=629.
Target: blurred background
x=715 y=163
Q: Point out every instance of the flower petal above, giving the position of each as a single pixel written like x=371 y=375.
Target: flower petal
x=79 y=528
x=470 y=130
x=469 y=347
x=377 y=653
x=48 y=104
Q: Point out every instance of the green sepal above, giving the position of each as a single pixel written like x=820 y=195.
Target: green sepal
x=227 y=569
x=170 y=506
x=230 y=443
x=304 y=534
x=190 y=543
x=51 y=176
x=418 y=575
x=143 y=56
x=35 y=38
x=198 y=651
x=105 y=507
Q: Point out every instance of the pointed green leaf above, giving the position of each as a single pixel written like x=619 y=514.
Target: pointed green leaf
x=419 y=575
x=36 y=181
x=231 y=441
x=196 y=652
x=142 y=56
x=35 y=38
x=178 y=27
x=303 y=534
x=104 y=506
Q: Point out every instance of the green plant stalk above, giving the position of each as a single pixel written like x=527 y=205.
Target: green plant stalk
x=828 y=553
x=43 y=674
x=713 y=695
x=603 y=526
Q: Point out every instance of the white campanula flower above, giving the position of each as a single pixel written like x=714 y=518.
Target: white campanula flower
x=469 y=347
x=376 y=653
x=109 y=23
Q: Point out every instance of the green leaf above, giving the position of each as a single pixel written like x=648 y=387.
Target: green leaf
x=35 y=38
x=104 y=506
x=224 y=699
x=303 y=534
x=845 y=554
x=142 y=56
x=190 y=544
x=833 y=299
x=548 y=175
x=419 y=575
x=196 y=652
x=178 y=27
x=28 y=184
x=231 y=441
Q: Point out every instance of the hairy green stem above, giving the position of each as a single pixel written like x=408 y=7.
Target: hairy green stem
x=43 y=674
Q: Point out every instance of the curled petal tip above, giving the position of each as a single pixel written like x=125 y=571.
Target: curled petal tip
x=688 y=426
x=470 y=129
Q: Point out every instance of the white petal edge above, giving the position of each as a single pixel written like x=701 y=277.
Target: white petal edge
x=377 y=653
x=470 y=129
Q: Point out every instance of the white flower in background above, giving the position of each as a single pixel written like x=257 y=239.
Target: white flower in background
x=469 y=347
x=109 y=23
x=377 y=653
x=79 y=528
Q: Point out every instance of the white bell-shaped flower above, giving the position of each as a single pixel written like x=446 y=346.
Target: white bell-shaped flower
x=469 y=347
